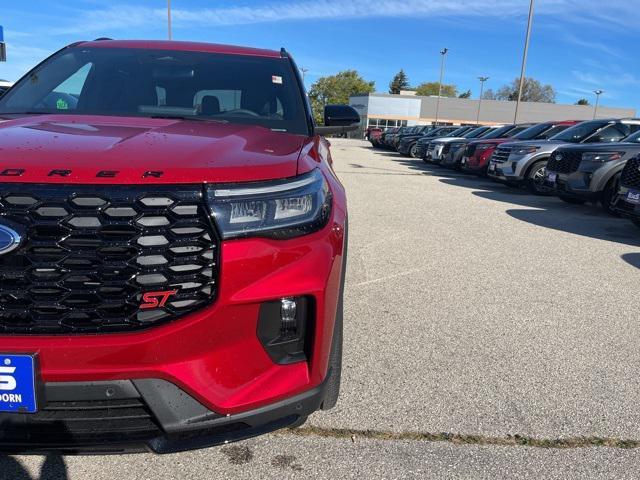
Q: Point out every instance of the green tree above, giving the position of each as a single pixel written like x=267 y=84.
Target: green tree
x=466 y=94
x=399 y=82
x=532 y=91
x=583 y=101
x=428 y=89
x=337 y=89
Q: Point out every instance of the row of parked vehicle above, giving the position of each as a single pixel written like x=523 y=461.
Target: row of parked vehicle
x=594 y=161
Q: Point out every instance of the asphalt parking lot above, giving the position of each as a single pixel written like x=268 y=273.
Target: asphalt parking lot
x=489 y=334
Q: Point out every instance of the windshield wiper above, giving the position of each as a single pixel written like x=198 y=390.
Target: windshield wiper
x=188 y=117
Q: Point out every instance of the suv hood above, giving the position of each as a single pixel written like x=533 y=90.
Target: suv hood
x=602 y=147
x=542 y=143
x=184 y=151
x=492 y=141
x=449 y=139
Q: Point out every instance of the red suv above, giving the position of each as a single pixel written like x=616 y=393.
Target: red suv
x=172 y=249
x=478 y=153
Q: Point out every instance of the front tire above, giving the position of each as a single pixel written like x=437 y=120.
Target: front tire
x=413 y=151
x=535 y=178
x=609 y=194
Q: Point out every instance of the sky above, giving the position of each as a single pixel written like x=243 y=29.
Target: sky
x=577 y=46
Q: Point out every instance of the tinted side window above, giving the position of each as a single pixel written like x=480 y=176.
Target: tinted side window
x=612 y=133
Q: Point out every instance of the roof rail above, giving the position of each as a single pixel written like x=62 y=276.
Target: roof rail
x=102 y=39
x=284 y=53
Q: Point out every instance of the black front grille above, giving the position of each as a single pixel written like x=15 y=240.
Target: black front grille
x=566 y=161
x=90 y=253
x=81 y=422
x=501 y=154
x=631 y=174
x=446 y=149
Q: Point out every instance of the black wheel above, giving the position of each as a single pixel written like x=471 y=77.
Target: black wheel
x=413 y=151
x=535 y=178
x=298 y=423
x=335 y=357
x=609 y=195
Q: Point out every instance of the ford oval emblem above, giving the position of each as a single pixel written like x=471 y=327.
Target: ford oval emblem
x=558 y=156
x=9 y=239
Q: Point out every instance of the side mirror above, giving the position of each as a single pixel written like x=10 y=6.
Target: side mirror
x=340 y=116
x=339 y=119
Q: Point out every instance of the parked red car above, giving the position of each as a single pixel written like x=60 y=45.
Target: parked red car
x=375 y=137
x=478 y=153
x=172 y=249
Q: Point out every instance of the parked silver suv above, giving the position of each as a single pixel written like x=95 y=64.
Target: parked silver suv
x=525 y=162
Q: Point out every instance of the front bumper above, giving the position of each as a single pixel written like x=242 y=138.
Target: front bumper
x=421 y=150
x=511 y=171
x=139 y=415
x=452 y=158
x=624 y=208
x=574 y=185
x=214 y=354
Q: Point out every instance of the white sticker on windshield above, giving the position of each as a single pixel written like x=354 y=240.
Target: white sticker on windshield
x=276 y=79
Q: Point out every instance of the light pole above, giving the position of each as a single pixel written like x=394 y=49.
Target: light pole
x=595 y=110
x=304 y=72
x=482 y=80
x=443 y=53
x=169 y=18
x=524 y=61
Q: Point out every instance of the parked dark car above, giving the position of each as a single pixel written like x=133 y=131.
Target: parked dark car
x=590 y=173
x=390 y=140
x=408 y=140
x=442 y=132
x=478 y=153
x=525 y=163
x=627 y=200
x=448 y=151
x=386 y=134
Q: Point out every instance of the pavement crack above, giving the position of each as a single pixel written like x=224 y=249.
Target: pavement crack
x=461 y=439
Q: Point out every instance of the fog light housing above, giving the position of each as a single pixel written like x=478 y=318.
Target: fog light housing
x=285 y=329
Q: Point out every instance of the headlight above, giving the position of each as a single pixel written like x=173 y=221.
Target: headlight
x=524 y=150
x=280 y=209
x=601 y=157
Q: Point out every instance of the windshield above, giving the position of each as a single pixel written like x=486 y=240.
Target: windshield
x=500 y=132
x=457 y=132
x=476 y=132
x=161 y=83
x=580 y=132
x=541 y=131
x=634 y=138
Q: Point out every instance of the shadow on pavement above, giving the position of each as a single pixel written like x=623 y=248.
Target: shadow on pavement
x=632 y=259
x=601 y=227
x=550 y=212
x=53 y=468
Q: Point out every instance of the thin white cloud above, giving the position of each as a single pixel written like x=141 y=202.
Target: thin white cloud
x=621 y=79
x=591 y=45
x=126 y=17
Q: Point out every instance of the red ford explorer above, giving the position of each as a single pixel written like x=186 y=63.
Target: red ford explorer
x=172 y=249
